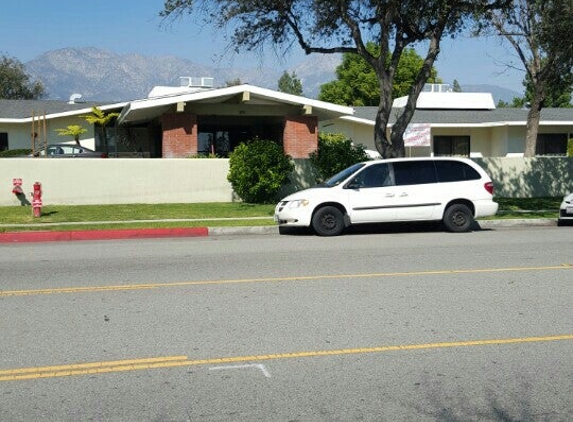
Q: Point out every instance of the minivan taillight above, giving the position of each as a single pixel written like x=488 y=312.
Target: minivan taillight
x=489 y=187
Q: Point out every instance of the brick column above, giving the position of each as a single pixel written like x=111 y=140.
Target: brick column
x=179 y=139
x=300 y=136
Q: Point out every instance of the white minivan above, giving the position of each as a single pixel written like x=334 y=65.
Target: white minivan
x=451 y=190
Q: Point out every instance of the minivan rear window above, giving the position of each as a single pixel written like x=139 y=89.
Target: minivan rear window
x=455 y=171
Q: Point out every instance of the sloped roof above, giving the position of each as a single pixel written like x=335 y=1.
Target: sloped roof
x=496 y=117
x=149 y=108
x=19 y=111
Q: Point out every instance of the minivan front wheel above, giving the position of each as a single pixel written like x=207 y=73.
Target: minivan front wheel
x=328 y=221
x=458 y=218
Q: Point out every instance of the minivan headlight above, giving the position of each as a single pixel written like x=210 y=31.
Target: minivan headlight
x=297 y=203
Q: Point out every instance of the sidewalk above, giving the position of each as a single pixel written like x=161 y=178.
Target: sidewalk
x=73 y=235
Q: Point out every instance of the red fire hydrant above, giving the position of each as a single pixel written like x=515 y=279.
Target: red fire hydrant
x=37 y=199
x=17 y=189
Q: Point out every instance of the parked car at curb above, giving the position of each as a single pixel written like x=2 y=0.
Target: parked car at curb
x=67 y=151
x=566 y=211
x=452 y=190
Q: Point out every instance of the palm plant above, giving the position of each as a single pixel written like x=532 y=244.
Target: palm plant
x=101 y=118
x=75 y=131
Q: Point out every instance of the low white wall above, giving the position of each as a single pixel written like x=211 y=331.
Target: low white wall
x=518 y=177
x=152 y=181
x=117 y=181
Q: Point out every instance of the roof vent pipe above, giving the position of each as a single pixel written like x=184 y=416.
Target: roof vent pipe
x=74 y=98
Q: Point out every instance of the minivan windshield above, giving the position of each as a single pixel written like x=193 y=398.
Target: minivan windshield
x=338 y=178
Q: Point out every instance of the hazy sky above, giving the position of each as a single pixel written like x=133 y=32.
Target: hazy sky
x=32 y=27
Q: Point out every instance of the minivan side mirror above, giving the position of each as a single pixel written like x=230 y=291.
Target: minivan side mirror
x=353 y=184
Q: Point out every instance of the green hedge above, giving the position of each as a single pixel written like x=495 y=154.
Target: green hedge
x=335 y=152
x=258 y=170
x=15 y=152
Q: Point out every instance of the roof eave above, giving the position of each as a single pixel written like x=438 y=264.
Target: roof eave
x=333 y=110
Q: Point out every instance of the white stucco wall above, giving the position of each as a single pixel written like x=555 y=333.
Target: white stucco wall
x=150 y=181
x=530 y=177
x=117 y=181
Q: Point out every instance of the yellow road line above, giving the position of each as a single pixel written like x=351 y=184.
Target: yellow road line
x=92 y=365
x=6 y=293
x=179 y=361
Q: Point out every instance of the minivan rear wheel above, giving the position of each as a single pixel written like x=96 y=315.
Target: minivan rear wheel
x=458 y=218
x=328 y=221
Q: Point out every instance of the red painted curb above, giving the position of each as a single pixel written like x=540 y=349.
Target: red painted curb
x=43 y=236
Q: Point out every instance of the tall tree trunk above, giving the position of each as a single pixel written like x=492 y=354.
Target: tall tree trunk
x=533 y=117
x=532 y=129
x=381 y=141
x=104 y=139
x=394 y=147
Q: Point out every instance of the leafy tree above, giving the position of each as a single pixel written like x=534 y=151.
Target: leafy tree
x=290 y=84
x=556 y=96
x=75 y=131
x=258 y=169
x=102 y=119
x=15 y=84
x=457 y=87
x=335 y=152
x=358 y=85
x=345 y=26
x=516 y=103
x=540 y=31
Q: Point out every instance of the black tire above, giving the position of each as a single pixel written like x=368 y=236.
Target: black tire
x=328 y=221
x=458 y=218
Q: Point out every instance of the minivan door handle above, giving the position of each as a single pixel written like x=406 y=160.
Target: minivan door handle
x=403 y=194
x=390 y=195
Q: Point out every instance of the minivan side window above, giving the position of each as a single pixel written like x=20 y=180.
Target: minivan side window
x=455 y=171
x=414 y=173
x=374 y=176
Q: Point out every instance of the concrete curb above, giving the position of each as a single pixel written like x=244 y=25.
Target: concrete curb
x=525 y=222
x=62 y=236
x=55 y=236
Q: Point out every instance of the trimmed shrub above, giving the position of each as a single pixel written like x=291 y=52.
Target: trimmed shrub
x=258 y=170
x=335 y=152
x=15 y=152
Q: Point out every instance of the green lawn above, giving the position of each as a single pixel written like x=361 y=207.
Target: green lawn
x=204 y=214
x=527 y=207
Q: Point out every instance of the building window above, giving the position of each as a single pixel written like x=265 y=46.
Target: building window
x=447 y=146
x=551 y=144
x=3 y=141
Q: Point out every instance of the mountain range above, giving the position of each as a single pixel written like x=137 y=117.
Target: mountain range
x=103 y=76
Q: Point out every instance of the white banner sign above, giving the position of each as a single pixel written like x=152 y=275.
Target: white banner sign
x=417 y=135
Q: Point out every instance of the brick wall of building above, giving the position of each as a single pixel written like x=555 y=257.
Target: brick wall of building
x=300 y=136
x=179 y=135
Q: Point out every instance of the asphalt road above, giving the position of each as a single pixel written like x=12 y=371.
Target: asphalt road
x=385 y=326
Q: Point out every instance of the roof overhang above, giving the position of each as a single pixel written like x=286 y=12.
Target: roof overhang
x=245 y=95
x=71 y=113
x=492 y=124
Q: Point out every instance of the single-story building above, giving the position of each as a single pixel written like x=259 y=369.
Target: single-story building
x=180 y=123
x=199 y=120
x=29 y=124
x=464 y=124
